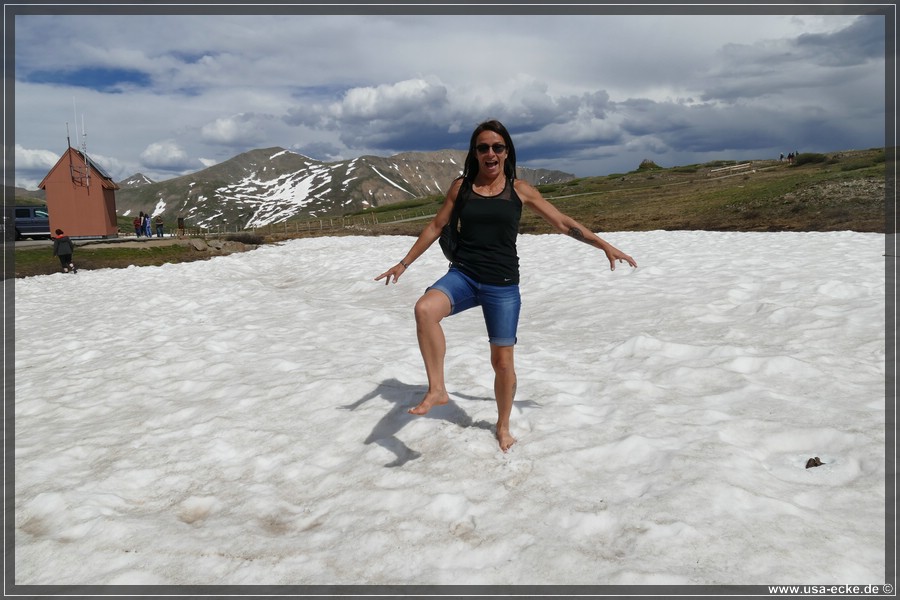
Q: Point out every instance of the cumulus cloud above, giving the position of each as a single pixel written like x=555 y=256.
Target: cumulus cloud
x=166 y=155
x=34 y=159
x=577 y=87
x=387 y=116
x=393 y=100
x=240 y=129
x=386 y=103
x=418 y=113
x=32 y=165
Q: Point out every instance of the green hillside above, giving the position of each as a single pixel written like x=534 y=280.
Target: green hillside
x=819 y=192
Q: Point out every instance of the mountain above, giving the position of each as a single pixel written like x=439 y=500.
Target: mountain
x=271 y=185
x=24 y=196
x=136 y=180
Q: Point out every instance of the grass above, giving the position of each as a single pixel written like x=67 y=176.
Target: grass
x=835 y=192
x=839 y=192
x=40 y=260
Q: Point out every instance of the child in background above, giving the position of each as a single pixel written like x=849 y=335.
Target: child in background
x=64 y=249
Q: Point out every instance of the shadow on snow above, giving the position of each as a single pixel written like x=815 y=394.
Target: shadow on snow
x=404 y=396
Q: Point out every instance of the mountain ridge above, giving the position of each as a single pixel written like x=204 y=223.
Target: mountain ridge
x=270 y=185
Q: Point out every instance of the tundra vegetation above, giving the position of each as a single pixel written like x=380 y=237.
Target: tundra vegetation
x=840 y=191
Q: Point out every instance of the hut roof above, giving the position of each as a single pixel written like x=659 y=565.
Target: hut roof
x=105 y=179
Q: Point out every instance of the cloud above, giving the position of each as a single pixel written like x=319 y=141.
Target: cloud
x=587 y=88
x=35 y=159
x=774 y=70
x=166 y=155
x=241 y=129
x=860 y=42
x=416 y=114
x=33 y=165
x=393 y=101
x=387 y=116
x=387 y=102
x=323 y=150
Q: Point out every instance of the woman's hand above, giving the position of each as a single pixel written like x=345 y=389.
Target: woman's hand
x=427 y=237
x=563 y=223
x=615 y=255
x=396 y=271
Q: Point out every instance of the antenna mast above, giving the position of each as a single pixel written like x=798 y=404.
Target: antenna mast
x=87 y=161
x=69 y=152
x=80 y=175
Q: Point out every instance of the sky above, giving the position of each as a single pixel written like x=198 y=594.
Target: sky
x=589 y=93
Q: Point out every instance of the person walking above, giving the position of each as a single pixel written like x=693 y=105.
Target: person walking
x=64 y=249
x=485 y=268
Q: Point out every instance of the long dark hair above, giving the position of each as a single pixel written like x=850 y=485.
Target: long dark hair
x=509 y=167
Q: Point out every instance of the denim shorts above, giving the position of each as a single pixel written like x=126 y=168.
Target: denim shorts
x=500 y=304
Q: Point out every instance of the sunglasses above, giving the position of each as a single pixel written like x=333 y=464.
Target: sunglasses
x=497 y=148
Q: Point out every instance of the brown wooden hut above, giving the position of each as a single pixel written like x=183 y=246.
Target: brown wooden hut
x=81 y=197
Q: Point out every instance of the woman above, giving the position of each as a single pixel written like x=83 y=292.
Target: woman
x=485 y=271
x=63 y=248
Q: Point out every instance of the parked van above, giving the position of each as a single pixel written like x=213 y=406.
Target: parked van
x=32 y=222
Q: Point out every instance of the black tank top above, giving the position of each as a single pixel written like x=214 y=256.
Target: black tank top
x=487 y=236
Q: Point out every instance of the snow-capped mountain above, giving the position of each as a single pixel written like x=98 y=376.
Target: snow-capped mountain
x=136 y=180
x=272 y=185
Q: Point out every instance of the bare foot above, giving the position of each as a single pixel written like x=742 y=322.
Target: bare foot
x=430 y=400
x=505 y=438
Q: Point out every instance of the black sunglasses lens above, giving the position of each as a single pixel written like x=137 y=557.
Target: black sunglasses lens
x=497 y=148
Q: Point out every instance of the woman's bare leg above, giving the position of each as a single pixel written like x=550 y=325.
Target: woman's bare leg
x=431 y=308
x=504 y=391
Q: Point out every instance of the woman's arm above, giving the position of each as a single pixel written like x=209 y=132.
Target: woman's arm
x=426 y=238
x=565 y=224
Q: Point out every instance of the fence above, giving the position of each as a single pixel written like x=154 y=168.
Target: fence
x=326 y=223
x=300 y=226
x=287 y=227
x=730 y=169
